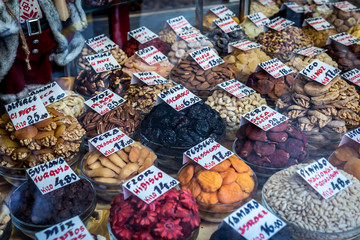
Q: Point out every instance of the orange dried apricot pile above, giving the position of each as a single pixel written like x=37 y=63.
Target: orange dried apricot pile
x=347 y=158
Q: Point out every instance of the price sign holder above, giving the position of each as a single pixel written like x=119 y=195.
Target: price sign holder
x=320 y=72
x=266 y=3
x=352 y=76
x=345 y=6
x=207 y=154
x=263 y=117
x=244 y=45
x=26 y=112
x=343 y=38
x=227 y=24
x=275 y=68
x=104 y=102
x=353 y=135
x=236 y=88
x=253 y=221
x=190 y=36
x=308 y=51
x=142 y=35
x=110 y=142
x=222 y=11
x=324 y=178
x=101 y=43
x=279 y=23
x=293 y=6
x=206 y=58
x=52 y=175
x=178 y=97
x=318 y=23
x=50 y=93
x=259 y=19
x=73 y=227
x=149 y=78
x=151 y=55
x=102 y=62
x=179 y=24
x=149 y=185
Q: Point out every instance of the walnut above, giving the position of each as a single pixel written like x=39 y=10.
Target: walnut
x=74 y=133
x=25 y=142
x=48 y=141
x=68 y=120
x=19 y=156
x=301 y=100
x=34 y=146
x=65 y=149
x=43 y=158
x=9 y=127
x=305 y=124
x=52 y=126
x=6 y=151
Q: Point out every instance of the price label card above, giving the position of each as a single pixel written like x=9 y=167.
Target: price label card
x=100 y=43
x=111 y=141
x=279 y=23
x=50 y=93
x=227 y=24
x=244 y=45
x=253 y=221
x=143 y=34
x=191 y=36
x=26 y=111
x=321 y=2
x=319 y=23
x=151 y=55
x=294 y=7
x=149 y=78
x=102 y=62
x=267 y=3
x=353 y=135
x=320 y=72
x=206 y=58
x=105 y=102
x=264 y=117
x=236 y=88
x=259 y=19
x=73 y=227
x=344 y=38
x=345 y=6
x=309 y=51
x=276 y=68
x=222 y=11
x=324 y=178
x=178 y=97
x=52 y=175
x=352 y=76
x=208 y=153
x=179 y=24
x=149 y=185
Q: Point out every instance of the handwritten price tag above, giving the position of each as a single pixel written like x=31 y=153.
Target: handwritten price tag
x=149 y=78
x=352 y=76
x=279 y=23
x=179 y=24
x=143 y=34
x=259 y=19
x=105 y=102
x=111 y=141
x=149 y=185
x=102 y=62
x=151 y=55
x=52 y=175
x=236 y=88
x=227 y=24
x=309 y=51
x=253 y=221
x=244 y=45
x=276 y=68
x=191 y=36
x=206 y=58
x=264 y=117
x=345 y=6
x=50 y=93
x=208 y=153
x=73 y=227
x=178 y=97
x=222 y=11
x=321 y=2
x=294 y=7
x=319 y=23
x=266 y=3
x=353 y=135
x=344 y=38
x=26 y=112
x=324 y=178
x=101 y=43
x=320 y=72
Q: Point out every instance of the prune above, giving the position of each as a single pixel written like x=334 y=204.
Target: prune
x=169 y=138
x=202 y=127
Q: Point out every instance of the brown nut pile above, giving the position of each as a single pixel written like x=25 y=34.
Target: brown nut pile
x=90 y=83
x=167 y=35
x=119 y=166
x=190 y=74
x=123 y=117
x=143 y=98
x=72 y=105
x=280 y=44
x=268 y=11
x=343 y=21
x=57 y=136
x=299 y=62
x=319 y=37
x=348 y=57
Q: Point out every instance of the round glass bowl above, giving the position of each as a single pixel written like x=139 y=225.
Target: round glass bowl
x=322 y=144
x=30 y=229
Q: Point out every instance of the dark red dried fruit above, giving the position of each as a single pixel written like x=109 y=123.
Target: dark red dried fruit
x=279 y=158
x=263 y=148
x=277 y=136
x=293 y=146
x=259 y=161
x=256 y=134
x=143 y=235
x=168 y=229
x=245 y=149
x=280 y=128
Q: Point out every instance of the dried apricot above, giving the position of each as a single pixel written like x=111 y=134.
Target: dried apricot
x=209 y=198
x=229 y=176
x=209 y=181
x=26 y=132
x=186 y=174
x=44 y=123
x=194 y=187
x=246 y=182
x=41 y=135
x=60 y=130
x=5 y=141
x=353 y=167
x=239 y=165
x=344 y=153
x=221 y=167
x=230 y=193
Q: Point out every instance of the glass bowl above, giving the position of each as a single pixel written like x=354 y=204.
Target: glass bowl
x=31 y=229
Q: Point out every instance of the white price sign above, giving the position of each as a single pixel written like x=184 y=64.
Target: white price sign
x=191 y=36
x=324 y=178
x=101 y=43
x=206 y=58
x=320 y=72
x=321 y=2
x=244 y=45
x=178 y=97
x=253 y=221
x=352 y=76
x=149 y=78
x=26 y=112
x=353 y=135
x=208 y=153
x=345 y=6
x=50 y=93
x=102 y=62
x=344 y=38
x=279 y=23
x=259 y=19
x=222 y=11
x=294 y=7
x=319 y=23
x=227 y=24
x=111 y=141
x=236 y=88
x=52 y=175
x=105 y=102
x=264 y=117
x=151 y=55
x=309 y=51
x=267 y=3
x=149 y=185
x=179 y=24
x=276 y=68
x=143 y=34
